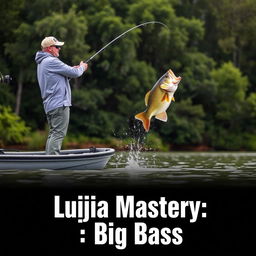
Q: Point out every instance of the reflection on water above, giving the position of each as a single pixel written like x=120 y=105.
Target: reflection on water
x=143 y=168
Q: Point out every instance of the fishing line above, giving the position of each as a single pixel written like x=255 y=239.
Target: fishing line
x=140 y=25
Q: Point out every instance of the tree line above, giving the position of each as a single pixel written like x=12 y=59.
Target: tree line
x=209 y=43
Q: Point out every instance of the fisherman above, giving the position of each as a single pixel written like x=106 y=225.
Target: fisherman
x=53 y=78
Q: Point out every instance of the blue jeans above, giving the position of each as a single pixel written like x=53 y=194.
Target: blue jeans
x=58 y=120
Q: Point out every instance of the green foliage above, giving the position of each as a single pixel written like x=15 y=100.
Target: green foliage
x=234 y=25
x=9 y=13
x=161 y=47
x=197 y=82
x=21 y=50
x=71 y=28
x=185 y=125
x=210 y=44
x=251 y=106
x=231 y=91
x=249 y=142
x=36 y=140
x=12 y=128
x=155 y=142
x=224 y=139
x=6 y=96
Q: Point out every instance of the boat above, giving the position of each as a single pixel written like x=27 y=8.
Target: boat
x=75 y=159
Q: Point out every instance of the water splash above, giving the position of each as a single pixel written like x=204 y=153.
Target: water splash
x=135 y=143
x=135 y=159
x=118 y=160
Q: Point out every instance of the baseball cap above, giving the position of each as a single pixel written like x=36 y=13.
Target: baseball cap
x=49 y=41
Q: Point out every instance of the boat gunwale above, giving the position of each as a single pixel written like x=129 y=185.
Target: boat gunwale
x=38 y=155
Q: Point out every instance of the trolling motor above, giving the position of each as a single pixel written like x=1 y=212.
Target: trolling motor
x=5 y=79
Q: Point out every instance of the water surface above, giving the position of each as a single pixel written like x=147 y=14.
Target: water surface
x=150 y=169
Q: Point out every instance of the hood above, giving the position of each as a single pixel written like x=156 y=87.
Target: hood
x=40 y=56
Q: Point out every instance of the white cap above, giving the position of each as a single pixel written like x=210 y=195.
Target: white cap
x=49 y=41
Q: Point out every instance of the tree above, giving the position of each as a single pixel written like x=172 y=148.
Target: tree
x=227 y=129
x=235 y=21
x=231 y=92
x=202 y=35
x=185 y=125
x=161 y=47
x=10 y=19
x=12 y=127
x=197 y=83
x=21 y=51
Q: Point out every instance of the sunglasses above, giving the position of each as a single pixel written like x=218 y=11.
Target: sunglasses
x=56 y=46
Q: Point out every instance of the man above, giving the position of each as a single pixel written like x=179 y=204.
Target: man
x=53 y=78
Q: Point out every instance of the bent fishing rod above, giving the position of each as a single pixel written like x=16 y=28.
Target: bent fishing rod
x=127 y=31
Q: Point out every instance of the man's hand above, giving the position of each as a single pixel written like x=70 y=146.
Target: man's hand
x=84 y=64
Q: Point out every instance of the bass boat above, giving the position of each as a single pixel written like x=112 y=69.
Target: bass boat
x=75 y=159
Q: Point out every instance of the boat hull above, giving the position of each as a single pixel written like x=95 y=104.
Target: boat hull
x=76 y=159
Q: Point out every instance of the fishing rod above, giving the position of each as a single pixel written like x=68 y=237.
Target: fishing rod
x=127 y=31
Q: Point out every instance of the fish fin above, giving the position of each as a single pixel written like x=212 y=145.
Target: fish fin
x=145 y=121
x=164 y=86
x=166 y=97
x=147 y=97
x=162 y=116
x=173 y=99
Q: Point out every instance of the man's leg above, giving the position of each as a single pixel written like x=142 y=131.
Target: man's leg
x=58 y=120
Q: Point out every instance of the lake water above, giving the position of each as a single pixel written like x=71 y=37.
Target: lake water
x=151 y=169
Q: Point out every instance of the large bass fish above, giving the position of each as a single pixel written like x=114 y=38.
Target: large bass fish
x=159 y=98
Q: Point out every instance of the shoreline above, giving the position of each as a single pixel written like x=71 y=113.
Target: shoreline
x=184 y=148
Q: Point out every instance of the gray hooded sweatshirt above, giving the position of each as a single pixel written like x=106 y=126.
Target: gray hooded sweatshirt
x=53 y=78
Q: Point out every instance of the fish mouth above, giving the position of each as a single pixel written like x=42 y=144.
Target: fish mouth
x=177 y=80
x=174 y=78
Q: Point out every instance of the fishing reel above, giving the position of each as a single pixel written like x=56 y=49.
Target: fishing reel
x=5 y=79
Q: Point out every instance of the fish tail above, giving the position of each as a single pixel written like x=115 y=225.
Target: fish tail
x=144 y=119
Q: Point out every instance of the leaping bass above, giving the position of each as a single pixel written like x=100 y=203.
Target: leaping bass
x=159 y=98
